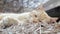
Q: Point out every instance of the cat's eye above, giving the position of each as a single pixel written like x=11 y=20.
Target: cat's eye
x=35 y=15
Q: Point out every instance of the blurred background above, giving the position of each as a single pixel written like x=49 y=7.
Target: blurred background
x=19 y=6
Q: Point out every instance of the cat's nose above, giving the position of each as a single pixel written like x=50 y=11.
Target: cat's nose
x=53 y=20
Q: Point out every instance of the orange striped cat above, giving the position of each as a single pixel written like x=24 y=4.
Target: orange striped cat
x=35 y=16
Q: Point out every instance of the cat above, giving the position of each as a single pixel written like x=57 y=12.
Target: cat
x=35 y=16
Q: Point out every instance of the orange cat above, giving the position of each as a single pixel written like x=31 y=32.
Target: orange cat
x=35 y=16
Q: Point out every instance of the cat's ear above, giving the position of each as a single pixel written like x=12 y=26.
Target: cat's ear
x=41 y=7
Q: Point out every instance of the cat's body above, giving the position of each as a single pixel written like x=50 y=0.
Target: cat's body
x=35 y=16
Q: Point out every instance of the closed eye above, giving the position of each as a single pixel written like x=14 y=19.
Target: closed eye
x=35 y=15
